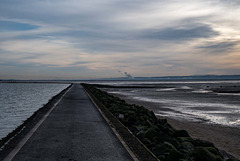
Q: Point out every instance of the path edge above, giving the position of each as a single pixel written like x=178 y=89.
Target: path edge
x=117 y=126
x=24 y=131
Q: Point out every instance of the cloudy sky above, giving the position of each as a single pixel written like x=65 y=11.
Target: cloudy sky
x=74 y=39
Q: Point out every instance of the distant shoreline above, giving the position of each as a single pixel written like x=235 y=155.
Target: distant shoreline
x=155 y=78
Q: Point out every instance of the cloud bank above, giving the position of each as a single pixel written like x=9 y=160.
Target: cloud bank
x=97 y=38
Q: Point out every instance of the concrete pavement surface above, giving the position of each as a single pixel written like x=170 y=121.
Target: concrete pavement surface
x=74 y=130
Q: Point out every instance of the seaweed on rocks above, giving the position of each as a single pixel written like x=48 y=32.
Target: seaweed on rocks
x=167 y=143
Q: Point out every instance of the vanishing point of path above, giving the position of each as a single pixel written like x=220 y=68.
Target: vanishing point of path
x=74 y=130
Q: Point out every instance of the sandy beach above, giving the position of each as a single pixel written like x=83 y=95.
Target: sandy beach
x=223 y=137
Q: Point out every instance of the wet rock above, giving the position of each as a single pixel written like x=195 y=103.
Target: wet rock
x=140 y=134
x=175 y=156
x=147 y=142
x=165 y=128
x=162 y=121
x=163 y=149
x=183 y=139
x=149 y=123
x=152 y=116
x=186 y=159
x=133 y=129
x=203 y=154
x=151 y=133
x=213 y=150
x=141 y=127
x=140 y=122
x=187 y=146
x=161 y=138
x=202 y=143
x=161 y=157
x=120 y=116
x=232 y=159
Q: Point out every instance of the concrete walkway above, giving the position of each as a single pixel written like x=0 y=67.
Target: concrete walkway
x=74 y=130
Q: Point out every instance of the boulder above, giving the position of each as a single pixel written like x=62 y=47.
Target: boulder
x=213 y=150
x=120 y=116
x=147 y=142
x=175 y=155
x=161 y=157
x=187 y=146
x=162 y=121
x=161 y=138
x=232 y=159
x=203 y=154
x=163 y=149
x=151 y=133
x=202 y=143
x=183 y=139
x=140 y=134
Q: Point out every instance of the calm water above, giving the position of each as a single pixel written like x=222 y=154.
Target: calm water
x=191 y=100
x=18 y=101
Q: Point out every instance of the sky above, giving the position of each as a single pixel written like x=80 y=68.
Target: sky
x=75 y=39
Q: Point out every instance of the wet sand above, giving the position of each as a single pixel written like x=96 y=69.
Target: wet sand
x=223 y=137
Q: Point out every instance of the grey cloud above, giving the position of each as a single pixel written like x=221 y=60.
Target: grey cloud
x=151 y=64
x=104 y=27
x=112 y=46
x=35 y=56
x=187 y=33
x=79 y=63
x=9 y=26
x=218 y=48
x=73 y=13
x=15 y=69
x=94 y=33
x=221 y=45
x=230 y=3
x=172 y=64
x=81 y=69
x=19 y=65
x=93 y=28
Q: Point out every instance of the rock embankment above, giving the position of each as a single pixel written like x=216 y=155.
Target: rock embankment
x=167 y=143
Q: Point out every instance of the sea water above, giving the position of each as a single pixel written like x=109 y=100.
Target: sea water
x=18 y=101
x=202 y=101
